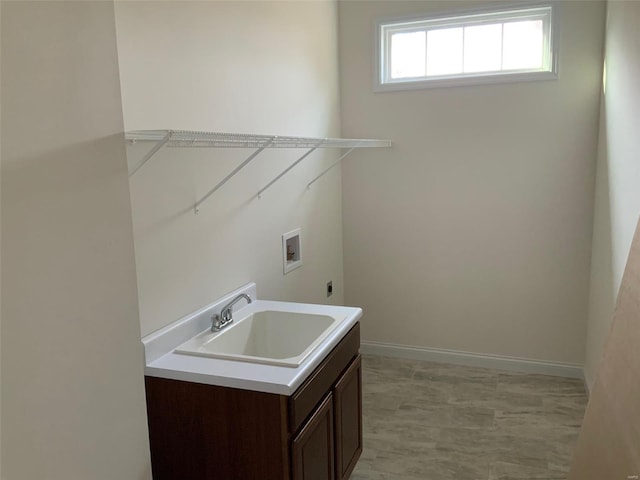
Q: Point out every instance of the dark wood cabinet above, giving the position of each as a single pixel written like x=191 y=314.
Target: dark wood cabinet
x=220 y=433
x=347 y=398
x=313 y=450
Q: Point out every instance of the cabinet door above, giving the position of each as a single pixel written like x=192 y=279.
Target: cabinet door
x=313 y=446
x=348 y=427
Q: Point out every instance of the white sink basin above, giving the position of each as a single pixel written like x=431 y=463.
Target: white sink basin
x=269 y=336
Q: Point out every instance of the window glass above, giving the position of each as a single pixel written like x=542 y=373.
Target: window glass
x=408 y=54
x=444 y=51
x=523 y=45
x=485 y=46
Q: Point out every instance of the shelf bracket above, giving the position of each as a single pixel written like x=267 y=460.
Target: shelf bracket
x=196 y=207
x=161 y=143
x=342 y=157
x=285 y=171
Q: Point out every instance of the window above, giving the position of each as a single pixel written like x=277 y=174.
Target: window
x=485 y=47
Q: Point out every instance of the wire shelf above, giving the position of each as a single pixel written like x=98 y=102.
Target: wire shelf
x=189 y=139
x=193 y=139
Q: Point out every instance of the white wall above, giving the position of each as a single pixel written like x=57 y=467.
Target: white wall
x=246 y=67
x=474 y=232
x=73 y=397
x=617 y=203
x=0 y=249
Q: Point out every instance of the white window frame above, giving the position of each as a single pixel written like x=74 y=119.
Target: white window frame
x=386 y=27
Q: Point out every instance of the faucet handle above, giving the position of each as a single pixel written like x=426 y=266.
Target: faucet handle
x=216 y=323
x=226 y=315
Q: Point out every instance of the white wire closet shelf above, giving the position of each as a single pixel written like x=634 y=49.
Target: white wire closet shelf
x=194 y=139
x=186 y=138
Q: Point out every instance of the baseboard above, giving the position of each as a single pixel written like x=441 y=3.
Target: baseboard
x=525 y=365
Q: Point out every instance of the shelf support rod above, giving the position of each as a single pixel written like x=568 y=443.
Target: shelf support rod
x=342 y=157
x=196 y=208
x=161 y=143
x=284 y=172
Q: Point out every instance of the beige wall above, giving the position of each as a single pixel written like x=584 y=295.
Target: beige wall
x=73 y=396
x=474 y=232
x=617 y=203
x=246 y=67
x=0 y=248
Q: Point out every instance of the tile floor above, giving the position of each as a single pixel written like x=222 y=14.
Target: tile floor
x=433 y=421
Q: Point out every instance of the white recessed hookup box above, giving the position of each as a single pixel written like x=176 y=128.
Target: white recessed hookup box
x=291 y=250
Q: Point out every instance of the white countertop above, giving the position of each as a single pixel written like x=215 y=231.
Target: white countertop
x=163 y=362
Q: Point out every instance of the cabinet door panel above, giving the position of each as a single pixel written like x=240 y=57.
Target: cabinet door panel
x=313 y=447
x=308 y=396
x=348 y=425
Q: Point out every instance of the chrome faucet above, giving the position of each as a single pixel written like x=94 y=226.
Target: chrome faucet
x=219 y=321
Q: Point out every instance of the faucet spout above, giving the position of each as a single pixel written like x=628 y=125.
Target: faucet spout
x=219 y=321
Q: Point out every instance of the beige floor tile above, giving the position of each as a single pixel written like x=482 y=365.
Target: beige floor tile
x=431 y=421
